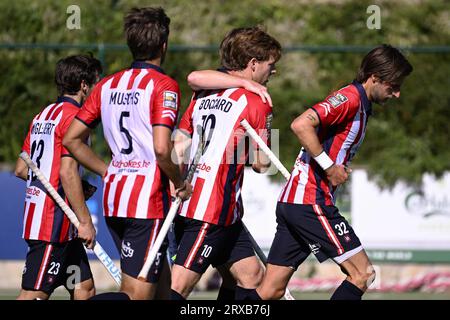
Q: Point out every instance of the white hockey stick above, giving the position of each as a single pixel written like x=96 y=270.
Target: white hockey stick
x=98 y=250
x=286 y=174
x=170 y=215
x=266 y=149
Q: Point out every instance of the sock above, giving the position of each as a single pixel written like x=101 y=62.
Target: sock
x=175 y=295
x=111 y=296
x=347 y=291
x=226 y=294
x=246 y=294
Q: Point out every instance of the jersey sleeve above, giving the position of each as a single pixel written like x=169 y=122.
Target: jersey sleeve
x=90 y=112
x=186 y=120
x=260 y=116
x=165 y=103
x=67 y=118
x=335 y=109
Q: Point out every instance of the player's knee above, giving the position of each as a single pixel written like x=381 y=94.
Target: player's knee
x=252 y=278
x=84 y=294
x=363 y=278
x=85 y=291
x=277 y=294
x=271 y=292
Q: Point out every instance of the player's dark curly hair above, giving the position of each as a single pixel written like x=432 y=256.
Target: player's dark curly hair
x=146 y=29
x=72 y=70
x=385 y=62
x=240 y=45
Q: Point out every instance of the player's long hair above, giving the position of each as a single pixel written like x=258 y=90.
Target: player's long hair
x=385 y=62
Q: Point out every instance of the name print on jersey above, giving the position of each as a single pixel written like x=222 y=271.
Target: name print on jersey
x=215 y=104
x=122 y=98
x=42 y=128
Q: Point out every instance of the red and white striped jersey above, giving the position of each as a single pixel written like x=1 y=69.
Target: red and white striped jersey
x=343 y=119
x=129 y=103
x=43 y=218
x=217 y=182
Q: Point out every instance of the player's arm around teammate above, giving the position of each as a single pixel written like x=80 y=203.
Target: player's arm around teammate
x=214 y=234
x=212 y=79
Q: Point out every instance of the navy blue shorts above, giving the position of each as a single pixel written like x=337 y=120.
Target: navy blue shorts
x=50 y=265
x=303 y=229
x=134 y=238
x=202 y=244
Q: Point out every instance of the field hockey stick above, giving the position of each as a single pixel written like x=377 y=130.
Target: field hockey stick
x=286 y=174
x=171 y=214
x=266 y=149
x=98 y=250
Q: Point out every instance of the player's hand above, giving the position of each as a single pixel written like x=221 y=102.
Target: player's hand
x=87 y=233
x=259 y=89
x=337 y=174
x=185 y=191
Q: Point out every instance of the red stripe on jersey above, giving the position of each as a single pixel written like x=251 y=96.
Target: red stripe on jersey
x=198 y=187
x=310 y=187
x=116 y=79
x=49 y=113
x=293 y=189
x=132 y=78
x=106 y=195
x=64 y=235
x=236 y=95
x=328 y=230
x=134 y=196
x=56 y=114
x=200 y=237
x=339 y=140
x=286 y=187
x=155 y=203
x=145 y=80
x=43 y=267
x=118 y=193
x=153 y=233
x=30 y=215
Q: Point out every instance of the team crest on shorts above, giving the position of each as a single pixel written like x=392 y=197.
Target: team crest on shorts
x=315 y=247
x=127 y=251
x=170 y=100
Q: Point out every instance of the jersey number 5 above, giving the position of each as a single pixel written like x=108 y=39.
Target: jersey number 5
x=129 y=149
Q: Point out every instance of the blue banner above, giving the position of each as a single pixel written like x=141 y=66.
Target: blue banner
x=12 y=199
